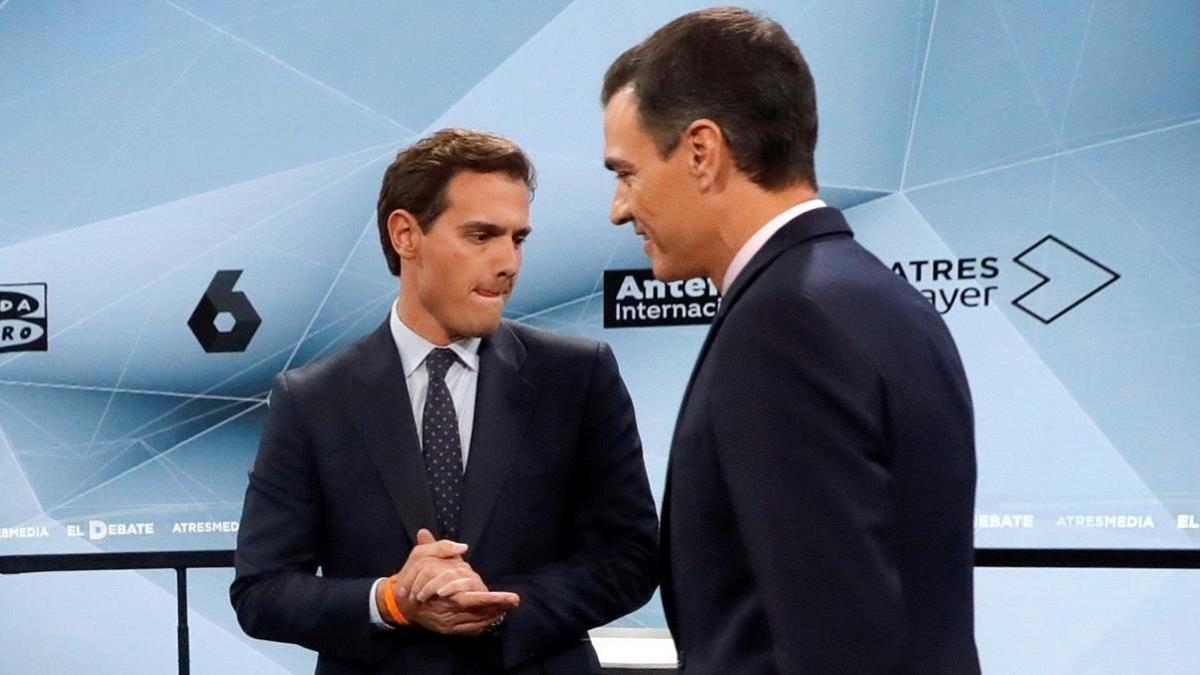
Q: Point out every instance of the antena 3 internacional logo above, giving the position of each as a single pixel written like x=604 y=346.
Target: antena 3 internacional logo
x=634 y=298
x=1065 y=278
x=23 y=318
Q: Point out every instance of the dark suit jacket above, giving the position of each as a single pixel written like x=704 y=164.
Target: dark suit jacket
x=818 y=515
x=556 y=507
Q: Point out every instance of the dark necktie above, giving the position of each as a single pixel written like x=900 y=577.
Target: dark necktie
x=441 y=445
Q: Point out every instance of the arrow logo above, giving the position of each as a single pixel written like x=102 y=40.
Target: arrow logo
x=1068 y=278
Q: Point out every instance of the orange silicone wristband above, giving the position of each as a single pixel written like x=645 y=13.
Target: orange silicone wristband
x=389 y=603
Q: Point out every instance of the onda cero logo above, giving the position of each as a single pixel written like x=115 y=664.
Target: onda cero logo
x=23 y=318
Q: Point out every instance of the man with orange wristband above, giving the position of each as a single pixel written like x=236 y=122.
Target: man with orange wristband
x=471 y=489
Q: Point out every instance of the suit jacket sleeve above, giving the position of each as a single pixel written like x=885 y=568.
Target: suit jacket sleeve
x=276 y=592
x=797 y=423
x=609 y=566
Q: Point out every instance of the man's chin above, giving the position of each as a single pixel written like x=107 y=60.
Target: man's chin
x=482 y=328
x=663 y=271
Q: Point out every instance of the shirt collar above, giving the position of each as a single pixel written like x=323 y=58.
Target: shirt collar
x=760 y=237
x=413 y=348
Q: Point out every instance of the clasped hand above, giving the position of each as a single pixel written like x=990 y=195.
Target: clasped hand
x=440 y=591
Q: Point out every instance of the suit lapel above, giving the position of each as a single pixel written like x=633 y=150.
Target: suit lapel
x=802 y=228
x=503 y=405
x=383 y=415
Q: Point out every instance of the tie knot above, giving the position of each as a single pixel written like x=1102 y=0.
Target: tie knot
x=439 y=361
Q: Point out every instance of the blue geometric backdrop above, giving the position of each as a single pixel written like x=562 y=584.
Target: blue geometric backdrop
x=147 y=144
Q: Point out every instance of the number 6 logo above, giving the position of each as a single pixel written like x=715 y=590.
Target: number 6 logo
x=220 y=298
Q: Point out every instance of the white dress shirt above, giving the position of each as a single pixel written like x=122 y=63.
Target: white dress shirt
x=759 y=239
x=462 y=380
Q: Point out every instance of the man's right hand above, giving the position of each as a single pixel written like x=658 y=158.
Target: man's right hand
x=440 y=591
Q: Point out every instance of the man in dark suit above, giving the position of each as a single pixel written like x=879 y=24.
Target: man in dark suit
x=818 y=510
x=471 y=489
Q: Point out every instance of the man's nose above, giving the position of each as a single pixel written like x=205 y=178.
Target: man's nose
x=509 y=262
x=619 y=212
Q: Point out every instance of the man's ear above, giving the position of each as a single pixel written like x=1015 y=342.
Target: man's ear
x=404 y=233
x=707 y=153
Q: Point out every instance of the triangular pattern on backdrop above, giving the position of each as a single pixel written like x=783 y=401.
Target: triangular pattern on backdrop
x=269 y=120
x=846 y=198
x=331 y=43
x=107 y=434
x=1032 y=429
x=973 y=81
x=97 y=38
x=148 y=477
x=51 y=147
x=1137 y=71
x=1048 y=39
x=147 y=310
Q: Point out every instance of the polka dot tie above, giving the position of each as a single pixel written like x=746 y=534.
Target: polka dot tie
x=441 y=444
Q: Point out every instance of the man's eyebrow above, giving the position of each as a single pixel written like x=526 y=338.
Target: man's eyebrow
x=485 y=225
x=615 y=164
x=492 y=228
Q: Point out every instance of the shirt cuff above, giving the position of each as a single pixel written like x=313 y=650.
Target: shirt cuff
x=376 y=617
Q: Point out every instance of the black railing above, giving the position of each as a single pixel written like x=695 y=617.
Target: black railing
x=1116 y=558
x=182 y=561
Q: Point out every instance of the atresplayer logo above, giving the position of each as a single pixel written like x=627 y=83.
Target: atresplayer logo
x=1065 y=279
x=23 y=318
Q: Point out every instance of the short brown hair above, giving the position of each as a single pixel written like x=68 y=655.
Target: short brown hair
x=740 y=70
x=416 y=181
